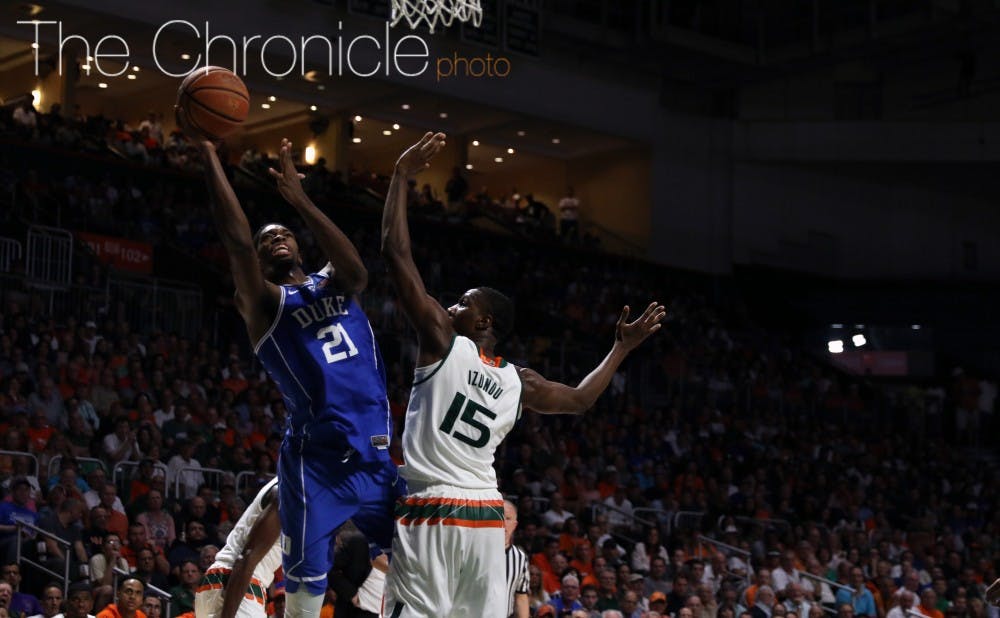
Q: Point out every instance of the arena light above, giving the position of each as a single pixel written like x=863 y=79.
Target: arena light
x=555 y=140
x=395 y=127
x=498 y=159
x=386 y=132
x=858 y=340
x=102 y=85
x=310 y=154
x=836 y=326
x=320 y=87
x=36 y=97
x=915 y=326
x=34 y=46
x=357 y=119
x=468 y=166
x=443 y=115
x=265 y=105
x=131 y=75
x=520 y=134
x=356 y=140
x=135 y=68
x=475 y=142
x=405 y=106
x=510 y=151
x=312 y=108
x=185 y=56
x=86 y=67
x=835 y=347
x=272 y=98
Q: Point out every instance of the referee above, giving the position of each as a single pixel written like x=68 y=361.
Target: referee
x=517 y=567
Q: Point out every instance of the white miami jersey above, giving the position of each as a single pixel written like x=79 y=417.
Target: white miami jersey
x=236 y=542
x=461 y=408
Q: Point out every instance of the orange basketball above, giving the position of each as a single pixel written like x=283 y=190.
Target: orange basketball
x=215 y=101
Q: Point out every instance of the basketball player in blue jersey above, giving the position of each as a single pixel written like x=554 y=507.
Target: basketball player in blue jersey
x=448 y=545
x=317 y=344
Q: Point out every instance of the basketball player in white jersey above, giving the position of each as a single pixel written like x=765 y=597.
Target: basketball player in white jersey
x=448 y=547
x=236 y=583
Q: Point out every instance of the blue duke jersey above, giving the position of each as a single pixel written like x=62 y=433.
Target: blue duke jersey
x=321 y=351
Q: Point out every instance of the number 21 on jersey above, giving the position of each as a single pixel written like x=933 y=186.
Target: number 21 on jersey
x=339 y=337
x=468 y=409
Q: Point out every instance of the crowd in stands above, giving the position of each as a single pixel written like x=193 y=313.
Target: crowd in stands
x=726 y=474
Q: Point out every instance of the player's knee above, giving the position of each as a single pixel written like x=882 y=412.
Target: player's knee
x=304 y=603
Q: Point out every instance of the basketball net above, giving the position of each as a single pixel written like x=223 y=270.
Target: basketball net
x=434 y=12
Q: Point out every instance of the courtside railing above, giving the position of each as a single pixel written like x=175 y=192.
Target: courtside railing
x=10 y=253
x=49 y=255
x=35 y=532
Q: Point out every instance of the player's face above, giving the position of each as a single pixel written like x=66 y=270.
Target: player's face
x=466 y=313
x=277 y=245
x=509 y=522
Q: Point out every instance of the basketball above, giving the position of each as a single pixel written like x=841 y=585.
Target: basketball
x=215 y=101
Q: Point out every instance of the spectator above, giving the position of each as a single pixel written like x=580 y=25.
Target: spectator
x=568 y=598
x=51 y=601
x=21 y=603
x=80 y=601
x=103 y=566
x=152 y=606
x=117 y=521
x=646 y=550
x=65 y=524
x=456 y=189
x=764 y=605
x=25 y=116
x=190 y=480
x=146 y=569
x=12 y=512
x=130 y=596
x=121 y=445
x=96 y=480
x=182 y=595
x=569 y=217
x=861 y=600
x=138 y=541
x=557 y=514
x=158 y=523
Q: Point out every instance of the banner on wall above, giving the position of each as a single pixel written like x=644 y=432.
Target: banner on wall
x=120 y=253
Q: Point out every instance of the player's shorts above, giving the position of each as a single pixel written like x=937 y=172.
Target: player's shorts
x=208 y=597
x=319 y=491
x=447 y=555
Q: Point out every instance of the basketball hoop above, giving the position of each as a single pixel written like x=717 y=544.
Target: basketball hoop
x=434 y=12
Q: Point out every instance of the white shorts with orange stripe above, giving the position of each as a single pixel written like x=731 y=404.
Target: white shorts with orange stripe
x=210 y=595
x=447 y=555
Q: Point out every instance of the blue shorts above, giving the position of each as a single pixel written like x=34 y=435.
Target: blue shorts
x=318 y=493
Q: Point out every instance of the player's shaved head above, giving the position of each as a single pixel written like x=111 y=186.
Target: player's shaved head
x=501 y=308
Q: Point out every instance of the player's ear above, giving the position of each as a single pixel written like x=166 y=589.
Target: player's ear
x=484 y=322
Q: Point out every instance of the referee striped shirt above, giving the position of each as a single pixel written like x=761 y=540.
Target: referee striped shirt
x=517 y=576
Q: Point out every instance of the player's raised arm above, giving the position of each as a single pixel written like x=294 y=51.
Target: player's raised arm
x=261 y=538
x=349 y=271
x=252 y=290
x=549 y=397
x=433 y=327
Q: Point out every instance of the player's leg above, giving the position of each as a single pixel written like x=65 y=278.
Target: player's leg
x=316 y=498
x=208 y=600
x=481 y=591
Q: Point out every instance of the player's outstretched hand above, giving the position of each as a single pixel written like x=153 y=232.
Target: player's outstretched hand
x=418 y=157
x=631 y=334
x=289 y=179
x=993 y=593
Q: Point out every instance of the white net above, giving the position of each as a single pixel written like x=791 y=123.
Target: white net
x=434 y=12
